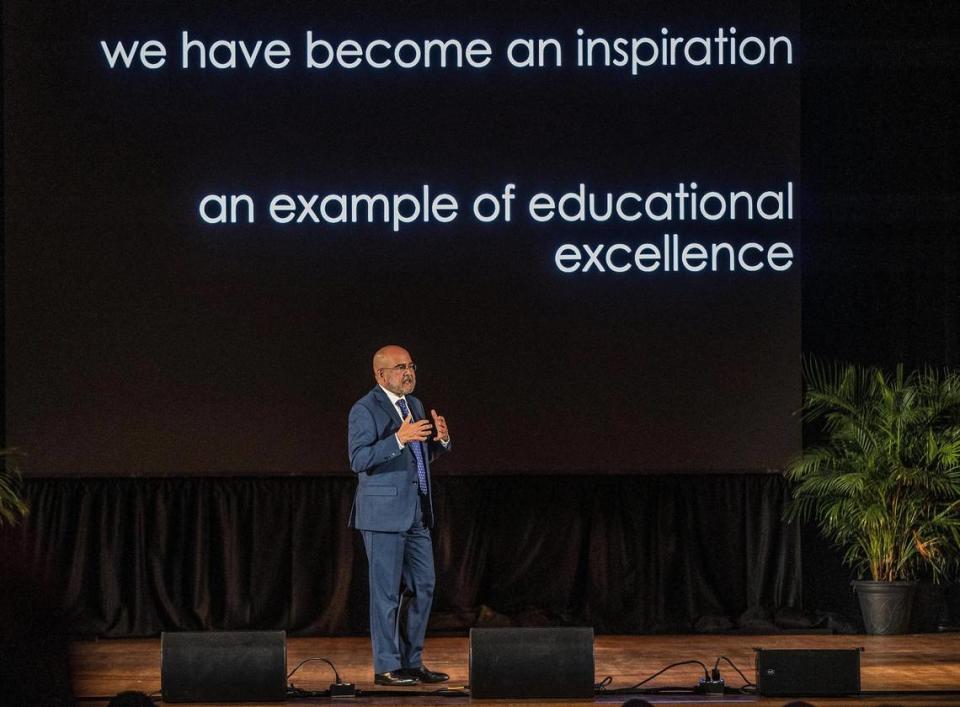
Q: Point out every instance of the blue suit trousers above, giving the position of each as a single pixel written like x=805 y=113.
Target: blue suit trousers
x=396 y=557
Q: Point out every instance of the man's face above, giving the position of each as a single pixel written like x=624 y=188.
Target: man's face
x=396 y=372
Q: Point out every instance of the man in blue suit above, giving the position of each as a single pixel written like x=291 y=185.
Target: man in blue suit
x=389 y=439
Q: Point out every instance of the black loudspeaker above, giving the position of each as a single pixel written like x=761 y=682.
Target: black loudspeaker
x=519 y=663
x=223 y=666
x=789 y=673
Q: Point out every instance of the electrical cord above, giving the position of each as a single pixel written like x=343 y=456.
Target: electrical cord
x=310 y=660
x=706 y=673
x=632 y=688
x=300 y=693
x=747 y=685
x=410 y=694
x=294 y=692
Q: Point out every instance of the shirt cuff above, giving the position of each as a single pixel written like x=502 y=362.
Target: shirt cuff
x=397 y=437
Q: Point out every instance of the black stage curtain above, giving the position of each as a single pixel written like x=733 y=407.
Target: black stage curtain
x=624 y=554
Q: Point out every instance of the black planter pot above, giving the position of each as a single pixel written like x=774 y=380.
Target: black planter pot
x=885 y=606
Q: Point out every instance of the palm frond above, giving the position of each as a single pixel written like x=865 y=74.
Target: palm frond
x=12 y=507
x=884 y=480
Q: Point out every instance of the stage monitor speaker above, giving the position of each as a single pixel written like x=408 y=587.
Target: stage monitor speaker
x=521 y=663
x=799 y=672
x=223 y=666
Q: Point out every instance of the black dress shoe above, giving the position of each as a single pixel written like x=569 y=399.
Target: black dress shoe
x=422 y=674
x=397 y=678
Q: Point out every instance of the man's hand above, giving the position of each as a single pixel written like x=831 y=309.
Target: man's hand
x=443 y=434
x=411 y=431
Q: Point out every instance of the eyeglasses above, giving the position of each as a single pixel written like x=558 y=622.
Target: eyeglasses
x=400 y=367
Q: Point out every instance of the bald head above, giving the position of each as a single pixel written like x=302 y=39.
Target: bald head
x=393 y=369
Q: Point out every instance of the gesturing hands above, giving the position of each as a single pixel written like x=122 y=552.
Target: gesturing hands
x=443 y=434
x=419 y=431
x=411 y=431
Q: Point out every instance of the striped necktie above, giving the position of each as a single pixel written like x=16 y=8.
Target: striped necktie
x=417 y=449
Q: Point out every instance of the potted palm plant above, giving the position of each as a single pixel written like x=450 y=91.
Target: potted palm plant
x=883 y=483
x=12 y=506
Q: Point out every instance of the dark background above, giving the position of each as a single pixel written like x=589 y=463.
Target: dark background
x=143 y=342
x=880 y=109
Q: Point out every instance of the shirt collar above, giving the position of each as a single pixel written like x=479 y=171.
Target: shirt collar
x=393 y=398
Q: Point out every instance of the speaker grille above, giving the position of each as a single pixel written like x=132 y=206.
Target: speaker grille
x=223 y=666
x=518 y=663
x=798 y=672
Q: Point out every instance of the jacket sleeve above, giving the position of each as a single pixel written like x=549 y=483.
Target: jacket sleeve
x=436 y=448
x=366 y=450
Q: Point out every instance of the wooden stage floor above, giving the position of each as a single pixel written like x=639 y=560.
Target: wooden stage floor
x=922 y=663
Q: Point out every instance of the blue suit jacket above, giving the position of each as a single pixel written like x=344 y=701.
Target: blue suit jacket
x=386 y=497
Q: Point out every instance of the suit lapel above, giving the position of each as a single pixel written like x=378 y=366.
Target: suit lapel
x=384 y=403
x=416 y=407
